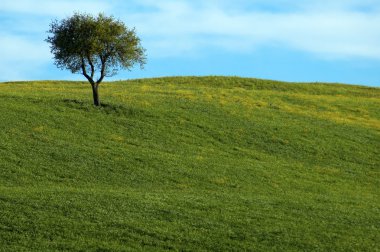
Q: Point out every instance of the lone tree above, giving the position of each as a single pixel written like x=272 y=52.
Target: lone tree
x=96 y=47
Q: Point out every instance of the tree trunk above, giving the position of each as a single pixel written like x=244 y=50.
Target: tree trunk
x=95 y=94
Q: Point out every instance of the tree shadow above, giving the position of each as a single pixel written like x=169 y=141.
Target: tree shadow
x=107 y=108
x=77 y=104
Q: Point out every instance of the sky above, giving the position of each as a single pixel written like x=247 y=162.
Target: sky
x=288 y=40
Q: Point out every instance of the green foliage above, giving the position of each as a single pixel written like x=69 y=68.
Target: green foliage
x=94 y=42
x=85 y=44
x=186 y=163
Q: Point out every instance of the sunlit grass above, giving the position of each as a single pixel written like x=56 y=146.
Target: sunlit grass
x=187 y=163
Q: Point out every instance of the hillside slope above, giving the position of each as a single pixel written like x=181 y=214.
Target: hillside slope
x=189 y=163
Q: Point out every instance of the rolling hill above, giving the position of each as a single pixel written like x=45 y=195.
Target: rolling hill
x=189 y=163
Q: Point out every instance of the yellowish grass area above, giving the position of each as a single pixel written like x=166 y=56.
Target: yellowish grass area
x=327 y=107
x=337 y=108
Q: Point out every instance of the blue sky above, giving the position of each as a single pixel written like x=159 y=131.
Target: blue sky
x=290 y=40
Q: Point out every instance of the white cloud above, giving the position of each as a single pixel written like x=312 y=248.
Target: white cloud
x=15 y=47
x=334 y=29
x=185 y=28
x=21 y=57
x=56 y=8
x=23 y=25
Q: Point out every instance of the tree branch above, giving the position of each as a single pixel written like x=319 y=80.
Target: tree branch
x=84 y=72
x=92 y=67
x=103 y=60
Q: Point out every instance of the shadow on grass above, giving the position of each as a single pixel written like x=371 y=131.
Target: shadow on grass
x=107 y=108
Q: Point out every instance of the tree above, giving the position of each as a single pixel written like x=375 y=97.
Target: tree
x=96 y=47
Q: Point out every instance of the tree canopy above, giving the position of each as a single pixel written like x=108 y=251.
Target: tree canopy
x=96 y=47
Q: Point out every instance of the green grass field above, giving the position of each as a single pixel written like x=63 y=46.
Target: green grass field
x=190 y=164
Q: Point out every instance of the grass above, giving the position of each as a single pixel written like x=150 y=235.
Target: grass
x=189 y=163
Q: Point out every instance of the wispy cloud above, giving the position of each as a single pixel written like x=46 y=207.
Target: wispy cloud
x=23 y=25
x=338 y=29
x=19 y=56
x=57 y=8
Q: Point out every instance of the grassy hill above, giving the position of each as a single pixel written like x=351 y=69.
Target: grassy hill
x=187 y=163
